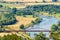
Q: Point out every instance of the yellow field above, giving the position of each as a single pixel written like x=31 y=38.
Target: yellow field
x=21 y=20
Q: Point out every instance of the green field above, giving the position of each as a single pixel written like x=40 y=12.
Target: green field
x=57 y=15
x=13 y=5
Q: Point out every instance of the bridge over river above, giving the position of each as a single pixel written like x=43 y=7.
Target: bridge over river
x=25 y=31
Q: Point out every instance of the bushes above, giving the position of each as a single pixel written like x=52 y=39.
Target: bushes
x=31 y=10
x=22 y=26
x=1 y=6
x=14 y=10
x=7 y=19
x=59 y=23
x=55 y=32
x=38 y=20
x=45 y=8
x=40 y=36
x=54 y=28
x=12 y=37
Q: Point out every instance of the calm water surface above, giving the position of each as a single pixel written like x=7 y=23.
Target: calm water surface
x=46 y=24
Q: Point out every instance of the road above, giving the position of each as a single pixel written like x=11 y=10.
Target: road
x=8 y=31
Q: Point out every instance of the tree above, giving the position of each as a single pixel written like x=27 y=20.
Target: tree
x=12 y=37
x=7 y=19
x=55 y=32
x=55 y=35
x=14 y=10
x=34 y=14
x=1 y=6
x=22 y=27
x=54 y=0
x=38 y=20
x=59 y=23
x=54 y=28
x=43 y=0
x=40 y=36
x=20 y=13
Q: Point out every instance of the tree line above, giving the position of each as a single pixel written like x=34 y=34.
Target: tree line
x=31 y=10
x=35 y=9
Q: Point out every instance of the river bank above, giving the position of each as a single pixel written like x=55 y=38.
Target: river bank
x=46 y=24
x=57 y=15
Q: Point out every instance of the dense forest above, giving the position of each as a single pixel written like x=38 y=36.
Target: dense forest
x=30 y=10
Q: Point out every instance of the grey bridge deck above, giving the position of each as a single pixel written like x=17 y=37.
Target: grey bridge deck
x=26 y=31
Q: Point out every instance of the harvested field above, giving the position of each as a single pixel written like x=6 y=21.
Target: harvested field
x=21 y=20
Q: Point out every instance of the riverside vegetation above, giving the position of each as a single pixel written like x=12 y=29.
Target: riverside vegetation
x=9 y=18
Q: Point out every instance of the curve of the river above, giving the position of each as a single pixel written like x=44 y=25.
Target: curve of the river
x=46 y=24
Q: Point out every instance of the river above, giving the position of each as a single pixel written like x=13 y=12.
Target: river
x=46 y=24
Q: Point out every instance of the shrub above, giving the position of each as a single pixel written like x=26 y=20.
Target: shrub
x=22 y=26
x=1 y=6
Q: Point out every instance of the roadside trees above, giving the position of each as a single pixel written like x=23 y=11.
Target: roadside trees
x=40 y=36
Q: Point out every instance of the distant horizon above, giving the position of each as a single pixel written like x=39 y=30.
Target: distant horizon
x=31 y=0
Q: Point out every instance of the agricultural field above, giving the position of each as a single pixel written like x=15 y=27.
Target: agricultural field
x=26 y=21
